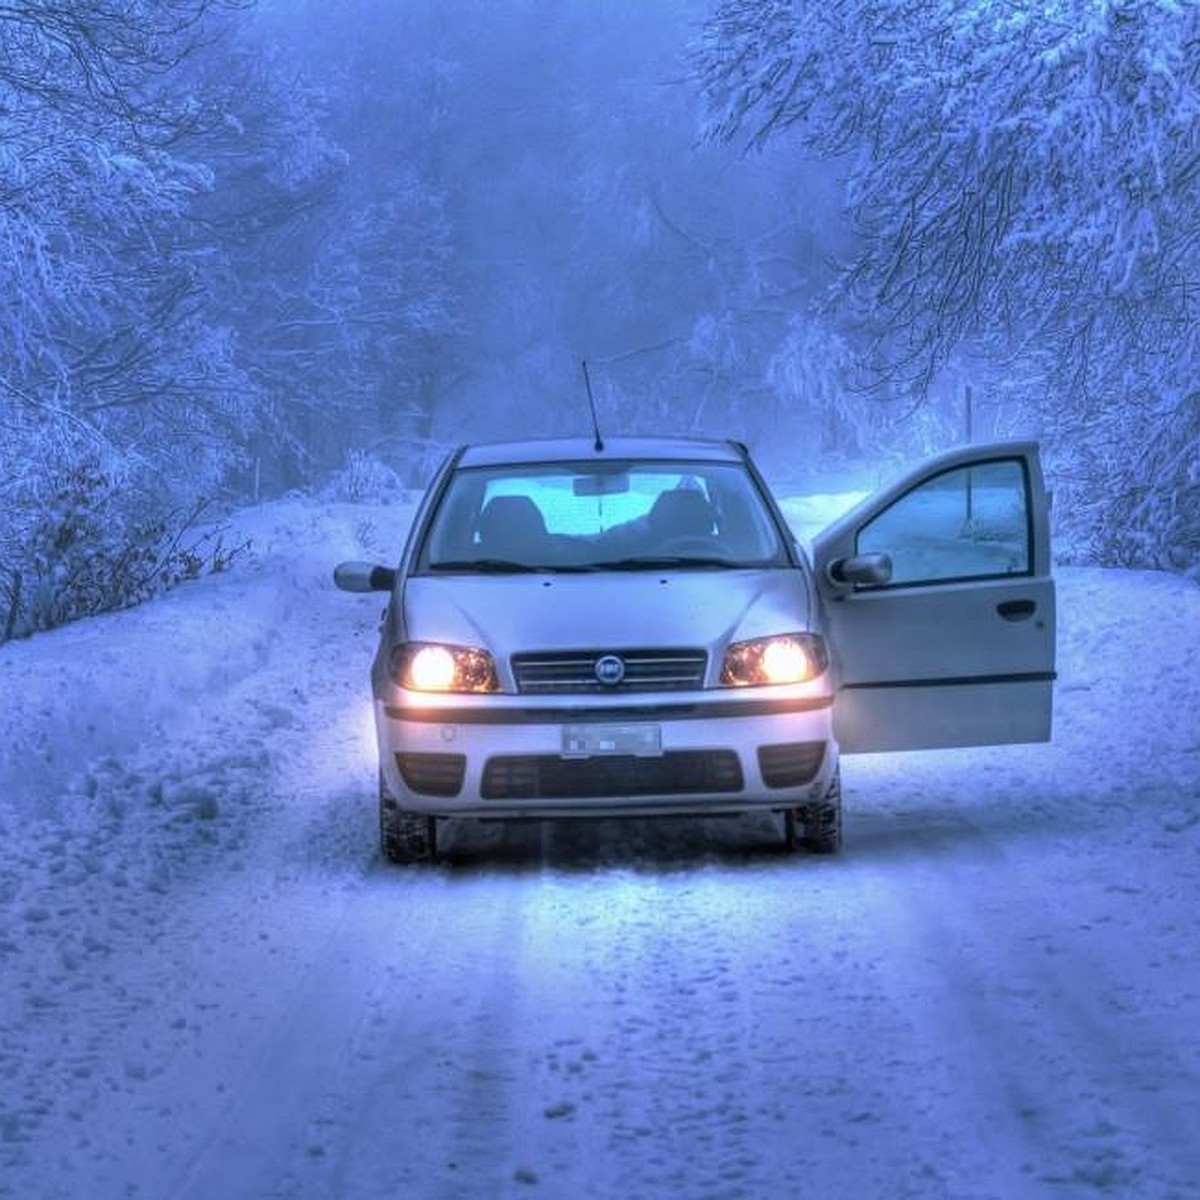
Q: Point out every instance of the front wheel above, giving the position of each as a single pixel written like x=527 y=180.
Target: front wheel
x=404 y=837
x=820 y=824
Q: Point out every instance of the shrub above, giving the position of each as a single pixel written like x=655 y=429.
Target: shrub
x=87 y=548
x=365 y=479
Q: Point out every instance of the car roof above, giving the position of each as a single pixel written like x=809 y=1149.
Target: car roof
x=548 y=450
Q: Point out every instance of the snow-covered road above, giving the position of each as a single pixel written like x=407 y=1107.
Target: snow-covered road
x=212 y=988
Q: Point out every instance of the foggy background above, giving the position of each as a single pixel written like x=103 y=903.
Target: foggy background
x=254 y=248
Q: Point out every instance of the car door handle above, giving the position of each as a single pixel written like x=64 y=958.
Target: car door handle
x=1016 y=610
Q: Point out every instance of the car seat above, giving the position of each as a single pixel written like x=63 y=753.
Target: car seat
x=681 y=513
x=511 y=527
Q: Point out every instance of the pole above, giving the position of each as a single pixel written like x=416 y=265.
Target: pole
x=970 y=407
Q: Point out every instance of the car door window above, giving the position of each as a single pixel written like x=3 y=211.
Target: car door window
x=966 y=523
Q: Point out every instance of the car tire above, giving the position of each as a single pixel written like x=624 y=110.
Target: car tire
x=822 y=821
x=405 y=837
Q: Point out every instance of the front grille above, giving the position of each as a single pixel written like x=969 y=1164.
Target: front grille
x=790 y=765
x=433 y=774
x=575 y=671
x=547 y=777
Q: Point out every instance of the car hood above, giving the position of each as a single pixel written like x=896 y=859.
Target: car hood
x=513 y=614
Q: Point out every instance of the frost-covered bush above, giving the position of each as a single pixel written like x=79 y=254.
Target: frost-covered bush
x=88 y=543
x=365 y=479
x=1128 y=494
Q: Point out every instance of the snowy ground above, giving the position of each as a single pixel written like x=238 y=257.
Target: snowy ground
x=212 y=988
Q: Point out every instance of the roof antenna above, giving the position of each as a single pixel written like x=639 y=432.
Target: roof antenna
x=587 y=379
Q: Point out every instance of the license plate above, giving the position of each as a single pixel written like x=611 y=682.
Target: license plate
x=588 y=741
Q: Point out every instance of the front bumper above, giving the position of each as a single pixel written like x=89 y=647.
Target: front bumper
x=511 y=756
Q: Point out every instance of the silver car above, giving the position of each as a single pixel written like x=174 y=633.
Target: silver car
x=630 y=627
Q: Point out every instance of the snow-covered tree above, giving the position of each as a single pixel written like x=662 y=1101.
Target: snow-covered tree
x=94 y=178
x=349 y=307
x=1023 y=179
x=118 y=391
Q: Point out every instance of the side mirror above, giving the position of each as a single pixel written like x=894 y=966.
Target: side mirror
x=363 y=577
x=871 y=570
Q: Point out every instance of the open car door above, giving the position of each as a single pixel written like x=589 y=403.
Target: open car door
x=939 y=605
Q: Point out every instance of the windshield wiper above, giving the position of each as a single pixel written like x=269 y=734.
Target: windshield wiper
x=655 y=562
x=485 y=566
x=645 y=562
x=504 y=566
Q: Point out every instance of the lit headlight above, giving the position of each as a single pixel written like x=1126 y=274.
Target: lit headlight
x=429 y=667
x=790 y=658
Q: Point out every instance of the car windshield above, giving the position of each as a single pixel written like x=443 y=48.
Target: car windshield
x=588 y=516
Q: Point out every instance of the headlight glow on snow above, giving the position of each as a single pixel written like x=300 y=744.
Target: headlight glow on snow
x=789 y=658
x=430 y=667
